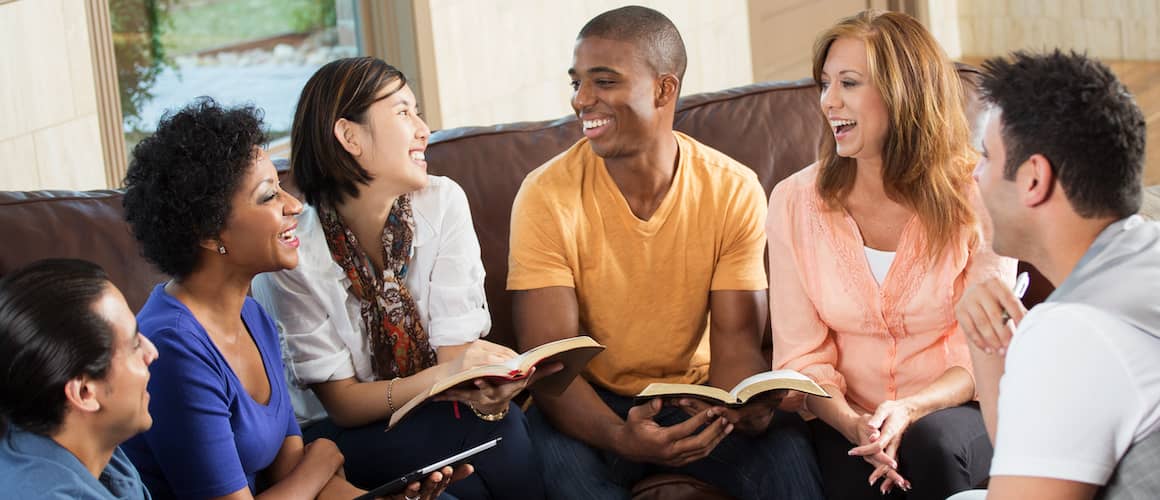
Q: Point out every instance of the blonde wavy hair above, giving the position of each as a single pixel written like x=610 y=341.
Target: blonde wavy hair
x=927 y=158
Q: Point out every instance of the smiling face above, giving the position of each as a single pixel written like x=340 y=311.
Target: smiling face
x=123 y=392
x=856 y=112
x=392 y=140
x=614 y=95
x=259 y=232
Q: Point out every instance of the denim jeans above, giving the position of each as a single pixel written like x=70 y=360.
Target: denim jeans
x=778 y=464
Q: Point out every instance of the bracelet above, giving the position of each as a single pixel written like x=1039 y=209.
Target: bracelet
x=490 y=417
x=390 y=388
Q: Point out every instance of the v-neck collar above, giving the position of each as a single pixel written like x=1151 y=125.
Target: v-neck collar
x=661 y=214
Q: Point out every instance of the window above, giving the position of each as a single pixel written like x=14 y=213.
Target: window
x=260 y=52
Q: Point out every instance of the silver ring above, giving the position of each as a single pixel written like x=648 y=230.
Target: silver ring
x=410 y=498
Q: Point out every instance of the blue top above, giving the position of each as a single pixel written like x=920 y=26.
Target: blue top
x=209 y=437
x=35 y=466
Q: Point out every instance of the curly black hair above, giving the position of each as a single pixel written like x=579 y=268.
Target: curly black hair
x=181 y=179
x=1074 y=111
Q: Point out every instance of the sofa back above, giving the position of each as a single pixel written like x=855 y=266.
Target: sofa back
x=78 y=224
x=773 y=127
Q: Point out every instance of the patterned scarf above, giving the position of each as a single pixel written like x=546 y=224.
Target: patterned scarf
x=399 y=345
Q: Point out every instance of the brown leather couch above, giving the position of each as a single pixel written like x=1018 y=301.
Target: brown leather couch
x=772 y=127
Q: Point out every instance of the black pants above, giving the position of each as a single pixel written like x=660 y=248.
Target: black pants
x=434 y=431
x=941 y=454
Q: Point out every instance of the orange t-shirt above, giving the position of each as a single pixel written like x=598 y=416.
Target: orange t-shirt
x=834 y=323
x=642 y=286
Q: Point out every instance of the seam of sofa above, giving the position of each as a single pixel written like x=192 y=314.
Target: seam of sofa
x=95 y=196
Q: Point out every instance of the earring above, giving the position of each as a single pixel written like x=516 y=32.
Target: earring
x=221 y=249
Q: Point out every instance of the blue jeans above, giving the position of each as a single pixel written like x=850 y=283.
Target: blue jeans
x=779 y=464
x=374 y=456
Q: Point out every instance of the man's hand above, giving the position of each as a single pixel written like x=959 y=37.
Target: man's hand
x=643 y=440
x=987 y=314
x=752 y=419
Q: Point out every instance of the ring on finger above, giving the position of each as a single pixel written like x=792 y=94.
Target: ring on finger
x=408 y=497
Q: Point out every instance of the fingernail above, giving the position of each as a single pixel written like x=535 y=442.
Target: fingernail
x=1002 y=351
x=850 y=453
x=729 y=429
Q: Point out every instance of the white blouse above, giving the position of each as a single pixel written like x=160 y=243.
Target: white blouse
x=319 y=319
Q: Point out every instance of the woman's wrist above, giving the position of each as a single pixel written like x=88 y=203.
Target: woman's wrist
x=488 y=412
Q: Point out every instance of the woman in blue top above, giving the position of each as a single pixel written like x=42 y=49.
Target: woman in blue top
x=205 y=203
x=75 y=371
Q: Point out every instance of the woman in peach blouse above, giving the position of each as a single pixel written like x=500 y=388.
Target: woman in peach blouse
x=870 y=248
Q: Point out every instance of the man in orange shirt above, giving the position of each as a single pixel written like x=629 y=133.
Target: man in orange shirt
x=651 y=243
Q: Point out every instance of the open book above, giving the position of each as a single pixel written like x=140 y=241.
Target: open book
x=574 y=353
x=741 y=393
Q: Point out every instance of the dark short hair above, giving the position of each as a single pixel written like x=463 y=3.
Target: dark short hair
x=50 y=334
x=181 y=180
x=1074 y=111
x=323 y=170
x=653 y=33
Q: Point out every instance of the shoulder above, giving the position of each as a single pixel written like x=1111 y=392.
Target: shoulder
x=31 y=467
x=703 y=159
x=1057 y=337
x=164 y=319
x=800 y=185
x=441 y=197
x=563 y=172
x=439 y=190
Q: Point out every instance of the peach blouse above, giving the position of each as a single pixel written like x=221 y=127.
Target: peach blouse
x=833 y=322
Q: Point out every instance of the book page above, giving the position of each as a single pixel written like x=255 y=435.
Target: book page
x=657 y=389
x=779 y=379
x=770 y=375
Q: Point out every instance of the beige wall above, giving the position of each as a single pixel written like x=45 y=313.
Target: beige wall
x=506 y=60
x=782 y=33
x=1107 y=29
x=49 y=136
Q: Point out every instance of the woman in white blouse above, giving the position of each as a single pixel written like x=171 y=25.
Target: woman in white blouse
x=388 y=294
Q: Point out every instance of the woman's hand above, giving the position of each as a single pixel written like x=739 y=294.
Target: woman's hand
x=493 y=397
x=434 y=484
x=878 y=438
x=479 y=353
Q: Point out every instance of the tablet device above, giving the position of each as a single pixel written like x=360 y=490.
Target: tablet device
x=400 y=483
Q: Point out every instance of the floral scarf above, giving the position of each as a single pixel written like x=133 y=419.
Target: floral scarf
x=398 y=342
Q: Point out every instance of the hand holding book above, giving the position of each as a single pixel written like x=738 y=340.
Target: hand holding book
x=749 y=405
x=555 y=365
x=490 y=397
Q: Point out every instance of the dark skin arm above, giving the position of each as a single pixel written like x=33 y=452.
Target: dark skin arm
x=546 y=314
x=737 y=323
